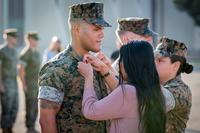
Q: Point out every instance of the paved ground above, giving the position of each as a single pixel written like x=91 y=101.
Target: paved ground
x=193 y=125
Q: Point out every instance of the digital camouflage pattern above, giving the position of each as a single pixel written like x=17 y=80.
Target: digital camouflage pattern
x=168 y=47
x=177 y=118
x=9 y=99
x=135 y=25
x=31 y=61
x=90 y=12
x=61 y=73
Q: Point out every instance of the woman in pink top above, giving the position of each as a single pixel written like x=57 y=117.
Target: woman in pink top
x=137 y=104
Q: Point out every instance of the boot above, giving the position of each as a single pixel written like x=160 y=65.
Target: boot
x=5 y=130
x=10 y=130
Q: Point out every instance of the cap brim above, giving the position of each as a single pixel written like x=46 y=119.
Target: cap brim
x=12 y=34
x=100 y=22
x=150 y=32
x=159 y=54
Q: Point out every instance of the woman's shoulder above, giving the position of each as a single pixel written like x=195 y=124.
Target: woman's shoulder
x=127 y=89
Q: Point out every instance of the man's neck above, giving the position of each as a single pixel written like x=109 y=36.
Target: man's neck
x=79 y=50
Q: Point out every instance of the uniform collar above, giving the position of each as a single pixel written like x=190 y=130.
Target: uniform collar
x=73 y=53
x=177 y=78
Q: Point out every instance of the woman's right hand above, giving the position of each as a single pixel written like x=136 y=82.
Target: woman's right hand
x=85 y=70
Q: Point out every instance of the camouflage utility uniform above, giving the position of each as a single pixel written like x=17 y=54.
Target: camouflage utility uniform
x=60 y=82
x=31 y=61
x=178 y=117
x=9 y=99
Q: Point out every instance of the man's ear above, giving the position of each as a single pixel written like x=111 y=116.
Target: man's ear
x=124 y=39
x=76 y=29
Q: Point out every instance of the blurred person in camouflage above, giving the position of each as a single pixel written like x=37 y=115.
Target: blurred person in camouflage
x=29 y=65
x=170 y=58
x=132 y=29
x=8 y=82
x=60 y=84
x=53 y=49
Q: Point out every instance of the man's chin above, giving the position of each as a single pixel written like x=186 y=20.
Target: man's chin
x=96 y=50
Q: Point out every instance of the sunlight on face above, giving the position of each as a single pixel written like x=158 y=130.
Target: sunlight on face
x=91 y=37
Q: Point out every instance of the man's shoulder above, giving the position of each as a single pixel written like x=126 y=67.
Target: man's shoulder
x=61 y=63
x=3 y=47
x=24 y=51
x=174 y=83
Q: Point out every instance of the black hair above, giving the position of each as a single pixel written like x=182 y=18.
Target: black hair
x=138 y=60
x=114 y=55
x=184 y=66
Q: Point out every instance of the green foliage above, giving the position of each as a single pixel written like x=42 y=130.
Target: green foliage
x=192 y=7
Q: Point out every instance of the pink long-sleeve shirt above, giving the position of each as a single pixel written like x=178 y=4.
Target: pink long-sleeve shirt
x=120 y=106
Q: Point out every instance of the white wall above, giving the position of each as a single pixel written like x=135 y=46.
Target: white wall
x=43 y=16
x=50 y=19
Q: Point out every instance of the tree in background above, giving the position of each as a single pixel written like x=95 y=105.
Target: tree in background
x=192 y=7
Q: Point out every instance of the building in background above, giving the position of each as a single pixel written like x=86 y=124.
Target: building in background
x=49 y=18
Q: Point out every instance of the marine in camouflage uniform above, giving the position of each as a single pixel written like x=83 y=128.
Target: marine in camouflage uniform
x=30 y=59
x=138 y=26
x=8 y=75
x=60 y=82
x=178 y=116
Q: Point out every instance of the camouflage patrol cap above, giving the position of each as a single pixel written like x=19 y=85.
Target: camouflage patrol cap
x=135 y=25
x=11 y=32
x=90 y=12
x=168 y=47
x=33 y=35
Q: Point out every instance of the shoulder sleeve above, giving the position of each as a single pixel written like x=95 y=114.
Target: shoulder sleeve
x=169 y=99
x=181 y=94
x=53 y=75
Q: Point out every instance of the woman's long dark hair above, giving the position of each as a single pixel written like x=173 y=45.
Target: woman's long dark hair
x=184 y=66
x=138 y=61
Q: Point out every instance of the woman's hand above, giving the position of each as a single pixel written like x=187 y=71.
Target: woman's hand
x=97 y=64
x=85 y=70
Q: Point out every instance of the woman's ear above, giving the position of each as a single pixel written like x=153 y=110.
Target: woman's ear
x=176 y=65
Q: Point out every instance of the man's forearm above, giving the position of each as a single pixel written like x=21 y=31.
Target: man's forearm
x=22 y=74
x=48 y=126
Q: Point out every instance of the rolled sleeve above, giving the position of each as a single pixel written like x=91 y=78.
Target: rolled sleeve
x=51 y=94
x=22 y=63
x=169 y=99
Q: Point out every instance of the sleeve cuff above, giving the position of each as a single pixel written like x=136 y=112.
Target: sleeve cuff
x=169 y=99
x=22 y=62
x=51 y=94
